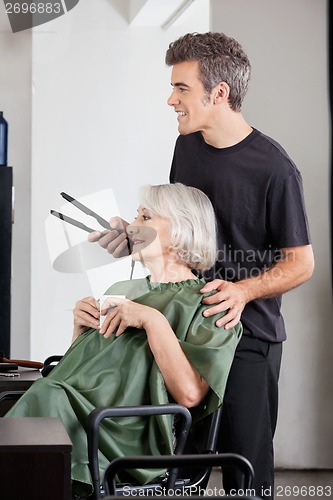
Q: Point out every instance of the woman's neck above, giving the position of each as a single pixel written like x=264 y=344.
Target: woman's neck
x=170 y=272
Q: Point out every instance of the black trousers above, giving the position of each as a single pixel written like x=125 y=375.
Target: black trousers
x=249 y=416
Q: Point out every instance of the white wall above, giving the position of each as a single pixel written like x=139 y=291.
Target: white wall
x=288 y=99
x=100 y=120
x=15 y=102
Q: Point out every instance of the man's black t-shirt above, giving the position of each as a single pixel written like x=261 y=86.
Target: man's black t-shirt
x=257 y=194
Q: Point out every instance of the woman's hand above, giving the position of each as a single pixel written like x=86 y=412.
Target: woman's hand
x=126 y=313
x=86 y=315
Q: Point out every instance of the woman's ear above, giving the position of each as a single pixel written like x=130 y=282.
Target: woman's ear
x=221 y=93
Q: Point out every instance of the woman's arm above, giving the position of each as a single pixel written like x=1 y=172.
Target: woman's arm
x=182 y=380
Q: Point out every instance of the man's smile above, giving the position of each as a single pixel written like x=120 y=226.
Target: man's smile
x=136 y=241
x=180 y=114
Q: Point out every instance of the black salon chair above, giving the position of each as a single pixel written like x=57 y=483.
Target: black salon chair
x=189 y=469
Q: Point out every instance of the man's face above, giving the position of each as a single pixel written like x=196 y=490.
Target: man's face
x=189 y=99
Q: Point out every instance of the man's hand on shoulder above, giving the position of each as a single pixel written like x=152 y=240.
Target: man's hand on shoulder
x=228 y=297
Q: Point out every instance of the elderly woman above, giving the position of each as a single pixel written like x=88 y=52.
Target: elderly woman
x=155 y=346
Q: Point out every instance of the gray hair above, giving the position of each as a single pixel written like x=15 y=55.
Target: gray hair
x=221 y=59
x=192 y=218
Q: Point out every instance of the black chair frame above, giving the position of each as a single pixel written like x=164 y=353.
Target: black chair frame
x=50 y=363
x=209 y=460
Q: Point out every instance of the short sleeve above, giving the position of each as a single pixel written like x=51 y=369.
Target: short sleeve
x=287 y=220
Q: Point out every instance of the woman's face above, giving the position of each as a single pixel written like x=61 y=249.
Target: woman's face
x=150 y=236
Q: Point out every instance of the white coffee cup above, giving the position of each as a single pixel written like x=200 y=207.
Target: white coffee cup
x=107 y=302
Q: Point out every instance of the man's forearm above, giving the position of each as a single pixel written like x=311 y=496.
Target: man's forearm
x=295 y=267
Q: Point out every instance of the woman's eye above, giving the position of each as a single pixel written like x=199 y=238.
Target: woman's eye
x=146 y=217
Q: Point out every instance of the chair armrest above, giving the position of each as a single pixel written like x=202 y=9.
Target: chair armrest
x=48 y=364
x=99 y=414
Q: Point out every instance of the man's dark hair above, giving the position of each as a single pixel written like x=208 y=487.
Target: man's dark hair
x=221 y=59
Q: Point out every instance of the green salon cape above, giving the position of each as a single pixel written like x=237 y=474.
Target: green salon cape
x=121 y=371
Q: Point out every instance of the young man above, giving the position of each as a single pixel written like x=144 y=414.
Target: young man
x=264 y=242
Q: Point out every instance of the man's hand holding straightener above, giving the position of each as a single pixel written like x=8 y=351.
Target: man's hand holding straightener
x=114 y=241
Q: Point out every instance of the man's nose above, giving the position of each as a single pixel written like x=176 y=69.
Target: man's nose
x=132 y=228
x=173 y=100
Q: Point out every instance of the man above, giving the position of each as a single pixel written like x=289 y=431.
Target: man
x=264 y=242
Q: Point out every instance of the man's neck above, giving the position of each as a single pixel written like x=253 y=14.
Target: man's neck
x=227 y=131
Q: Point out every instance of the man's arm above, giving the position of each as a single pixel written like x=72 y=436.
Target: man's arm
x=295 y=267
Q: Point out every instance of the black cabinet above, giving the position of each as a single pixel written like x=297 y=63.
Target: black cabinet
x=35 y=459
x=6 y=183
